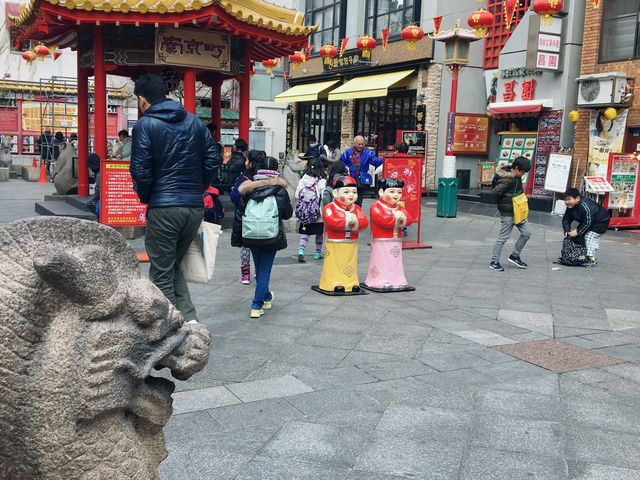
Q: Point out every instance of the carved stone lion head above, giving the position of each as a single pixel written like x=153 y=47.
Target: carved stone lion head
x=80 y=332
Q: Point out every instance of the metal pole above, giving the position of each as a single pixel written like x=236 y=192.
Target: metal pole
x=454 y=100
x=83 y=127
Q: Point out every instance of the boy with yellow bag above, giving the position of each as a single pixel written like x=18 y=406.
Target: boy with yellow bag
x=509 y=195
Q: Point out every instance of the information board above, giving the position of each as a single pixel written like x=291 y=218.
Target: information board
x=470 y=134
x=549 y=127
x=596 y=184
x=557 y=174
x=119 y=204
x=409 y=169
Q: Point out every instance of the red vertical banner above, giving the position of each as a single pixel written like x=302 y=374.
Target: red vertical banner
x=385 y=39
x=119 y=204
x=437 y=23
x=409 y=170
x=343 y=45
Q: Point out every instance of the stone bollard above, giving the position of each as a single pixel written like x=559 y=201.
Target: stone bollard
x=30 y=174
x=4 y=174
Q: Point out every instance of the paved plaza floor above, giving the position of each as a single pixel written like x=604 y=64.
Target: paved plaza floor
x=524 y=374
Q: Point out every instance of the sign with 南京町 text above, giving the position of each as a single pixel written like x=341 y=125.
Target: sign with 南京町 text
x=192 y=48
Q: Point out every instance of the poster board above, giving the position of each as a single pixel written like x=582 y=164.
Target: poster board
x=597 y=184
x=418 y=142
x=119 y=204
x=408 y=169
x=470 y=134
x=557 y=172
x=549 y=127
x=624 y=181
x=487 y=171
x=605 y=137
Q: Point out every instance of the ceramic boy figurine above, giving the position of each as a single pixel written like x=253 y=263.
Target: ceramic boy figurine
x=343 y=219
x=388 y=218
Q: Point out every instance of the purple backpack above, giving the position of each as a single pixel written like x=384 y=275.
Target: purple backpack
x=308 y=207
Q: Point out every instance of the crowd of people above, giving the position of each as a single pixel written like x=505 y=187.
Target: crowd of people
x=175 y=160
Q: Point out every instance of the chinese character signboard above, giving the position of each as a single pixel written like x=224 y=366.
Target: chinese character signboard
x=192 y=48
x=470 y=134
x=545 y=44
x=509 y=93
x=549 y=61
x=421 y=116
x=119 y=204
x=348 y=60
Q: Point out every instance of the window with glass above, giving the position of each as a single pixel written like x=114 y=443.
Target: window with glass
x=329 y=16
x=619 y=40
x=391 y=14
x=378 y=119
x=321 y=119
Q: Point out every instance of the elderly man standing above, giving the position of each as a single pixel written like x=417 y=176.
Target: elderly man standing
x=173 y=161
x=358 y=159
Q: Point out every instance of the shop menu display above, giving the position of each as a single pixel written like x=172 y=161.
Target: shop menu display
x=597 y=184
x=624 y=180
x=514 y=145
x=119 y=204
x=549 y=127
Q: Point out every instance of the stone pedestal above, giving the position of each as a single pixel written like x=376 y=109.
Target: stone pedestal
x=4 y=174
x=30 y=174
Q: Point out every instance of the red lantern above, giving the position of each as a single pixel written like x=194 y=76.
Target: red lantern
x=411 y=35
x=41 y=51
x=29 y=56
x=547 y=9
x=269 y=64
x=328 y=52
x=366 y=44
x=296 y=59
x=480 y=21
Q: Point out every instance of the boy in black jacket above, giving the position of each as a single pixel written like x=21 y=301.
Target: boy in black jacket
x=508 y=184
x=592 y=219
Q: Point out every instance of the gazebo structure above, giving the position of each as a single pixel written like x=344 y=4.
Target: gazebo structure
x=192 y=40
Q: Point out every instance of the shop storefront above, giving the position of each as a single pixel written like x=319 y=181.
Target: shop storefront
x=376 y=97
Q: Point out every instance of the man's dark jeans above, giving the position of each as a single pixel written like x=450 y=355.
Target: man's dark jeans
x=168 y=234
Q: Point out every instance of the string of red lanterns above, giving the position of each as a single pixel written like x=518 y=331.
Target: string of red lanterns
x=41 y=51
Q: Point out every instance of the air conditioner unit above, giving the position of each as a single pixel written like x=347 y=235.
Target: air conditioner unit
x=602 y=90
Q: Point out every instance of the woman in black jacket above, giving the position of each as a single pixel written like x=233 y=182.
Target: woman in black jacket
x=266 y=183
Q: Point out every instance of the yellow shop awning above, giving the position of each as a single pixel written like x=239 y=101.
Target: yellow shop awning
x=369 y=86
x=306 y=92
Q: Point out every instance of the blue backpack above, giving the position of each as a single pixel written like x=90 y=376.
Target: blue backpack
x=261 y=222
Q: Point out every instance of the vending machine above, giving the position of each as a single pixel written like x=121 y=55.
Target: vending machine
x=623 y=201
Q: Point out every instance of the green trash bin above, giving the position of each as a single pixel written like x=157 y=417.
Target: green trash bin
x=447 y=197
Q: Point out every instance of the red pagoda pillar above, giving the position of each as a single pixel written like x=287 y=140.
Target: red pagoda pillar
x=216 y=105
x=190 y=90
x=83 y=128
x=245 y=95
x=100 y=93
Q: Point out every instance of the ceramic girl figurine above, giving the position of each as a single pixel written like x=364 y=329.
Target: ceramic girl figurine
x=343 y=219
x=388 y=218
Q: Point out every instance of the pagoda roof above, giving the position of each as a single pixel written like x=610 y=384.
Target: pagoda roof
x=253 y=12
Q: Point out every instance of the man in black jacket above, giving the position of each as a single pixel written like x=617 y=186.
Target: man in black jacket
x=592 y=220
x=508 y=184
x=173 y=161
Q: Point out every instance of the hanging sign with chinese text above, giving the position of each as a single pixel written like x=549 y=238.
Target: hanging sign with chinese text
x=545 y=44
x=192 y=48
x=347 y=61
x=470 y=134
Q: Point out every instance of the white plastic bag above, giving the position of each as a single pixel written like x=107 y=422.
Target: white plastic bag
x=199 y=262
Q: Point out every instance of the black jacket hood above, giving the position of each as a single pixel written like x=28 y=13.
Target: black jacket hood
x=167 y=110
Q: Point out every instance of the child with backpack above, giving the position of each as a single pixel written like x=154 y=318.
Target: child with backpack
x=337 y=169
x=308 y=208
x=264 y=203
x=592 y=220
x=251 y=158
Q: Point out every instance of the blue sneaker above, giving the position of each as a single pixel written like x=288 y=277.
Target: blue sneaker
x=495 y=265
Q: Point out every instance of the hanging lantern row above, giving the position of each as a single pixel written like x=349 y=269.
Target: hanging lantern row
x=411 y=35
x=40 y=52
x=480 y=21
x=547 y=9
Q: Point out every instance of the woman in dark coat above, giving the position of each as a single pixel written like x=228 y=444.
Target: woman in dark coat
x=266 y=183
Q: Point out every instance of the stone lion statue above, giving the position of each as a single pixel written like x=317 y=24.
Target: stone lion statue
x=64 y=178
x=81 y=331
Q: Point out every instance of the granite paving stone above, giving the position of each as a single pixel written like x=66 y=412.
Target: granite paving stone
x=594 y=471
x=269 y=388
x=316 y=443
x=536 y=322
x=559 y=356
x=268 y=468
x=489 y=464
x=384 y=366
x=602 y=446
x=484 y=337
x=519 y=435
x=202 y=399
x=263 y=412
x=311 y=356
x=421 y=422
x=518 y=404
